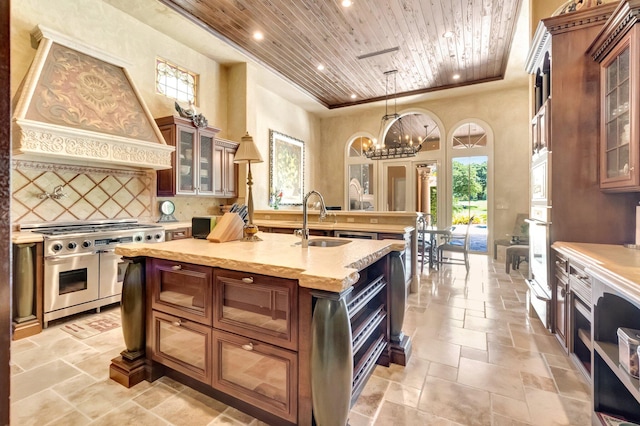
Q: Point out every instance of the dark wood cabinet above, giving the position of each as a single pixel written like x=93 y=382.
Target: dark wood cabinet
x=192 y=164
x=617 y=50
x=257 y=306
x=182 y=289
x=561 y=290
x=566 y=112
x=263 y=375
x=182 y=345
x=225 y=171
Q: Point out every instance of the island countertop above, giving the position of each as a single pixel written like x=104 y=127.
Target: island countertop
x=323 y=268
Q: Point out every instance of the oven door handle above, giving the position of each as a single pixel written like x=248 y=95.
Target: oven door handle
x=537 y=222
x=70 y=256
x=532 y=286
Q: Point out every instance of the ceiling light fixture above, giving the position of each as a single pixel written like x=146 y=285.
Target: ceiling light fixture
x=258 y=35
x=397 y=148
x=346 y=3
x=447 y=34
x=320 y=67
x=353 y=96
x=456 y=76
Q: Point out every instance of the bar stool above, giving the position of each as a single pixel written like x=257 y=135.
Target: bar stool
x=516 y=254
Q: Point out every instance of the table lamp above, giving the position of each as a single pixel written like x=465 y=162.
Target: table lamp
x=248 y=153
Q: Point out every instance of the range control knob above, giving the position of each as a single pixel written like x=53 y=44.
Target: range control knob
x=138 y=238
x=56 y=247
x=148 y=237
x=86 y=244
x=158 y=236
x=72 y=245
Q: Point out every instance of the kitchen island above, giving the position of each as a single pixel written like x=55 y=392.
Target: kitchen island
x=286 y=334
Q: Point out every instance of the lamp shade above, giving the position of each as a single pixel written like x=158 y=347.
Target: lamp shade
x=247 y=151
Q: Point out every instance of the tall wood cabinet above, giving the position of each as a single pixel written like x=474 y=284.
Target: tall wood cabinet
x=202 y=163
x=580 y=210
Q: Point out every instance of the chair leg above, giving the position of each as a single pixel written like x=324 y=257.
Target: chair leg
x=466 y=261
x=507 y=264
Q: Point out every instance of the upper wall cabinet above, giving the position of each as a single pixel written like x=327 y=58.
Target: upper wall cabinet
x=225 y=180
x=192 y=164
x=616 y=48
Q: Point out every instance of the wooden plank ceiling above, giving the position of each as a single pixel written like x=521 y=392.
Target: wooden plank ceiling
x=299 y=35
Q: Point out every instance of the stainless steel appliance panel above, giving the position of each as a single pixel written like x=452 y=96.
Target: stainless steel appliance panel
x=112 y=270
x=70 y=280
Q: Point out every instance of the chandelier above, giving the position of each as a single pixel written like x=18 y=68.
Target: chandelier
x=401 y=147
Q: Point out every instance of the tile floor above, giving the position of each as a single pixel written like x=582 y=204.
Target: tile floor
x=477 y=360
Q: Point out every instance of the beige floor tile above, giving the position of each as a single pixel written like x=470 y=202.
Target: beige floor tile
x=155 y=395
x=129 y=413
x=455 y=402
x=58 y=348
x=571 y=384
x=538 y=382
x=412 y=375
x=74 y=418
x=189 y=408
x=472 y=353
x=561 y=361
x=490 y=377
x=39 y=409
x=40 y=378
x=443 y=371
x=537 y=343
x=74 y=384
x=509 y=407
x=356 y=419
x=371 y=397
x=98 y=365
x=500 y=420
x=395 y=414
x=547 y=408
x=437 y=351
x=464 y=337
x=518 y=359
x=402 y=395
x=103 y=396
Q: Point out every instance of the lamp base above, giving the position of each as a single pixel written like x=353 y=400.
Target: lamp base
x=250 y=231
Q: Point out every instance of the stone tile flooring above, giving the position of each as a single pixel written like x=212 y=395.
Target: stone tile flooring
x=477 y=360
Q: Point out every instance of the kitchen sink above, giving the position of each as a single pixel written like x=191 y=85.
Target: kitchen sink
x=326 y=242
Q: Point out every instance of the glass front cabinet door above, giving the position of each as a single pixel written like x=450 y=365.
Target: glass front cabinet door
x=619 y=72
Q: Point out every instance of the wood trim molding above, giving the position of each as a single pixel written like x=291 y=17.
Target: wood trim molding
x=622 y=20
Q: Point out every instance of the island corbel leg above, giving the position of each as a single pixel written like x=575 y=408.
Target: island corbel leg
x=129 y=368
x=400 y=342
x=331 y=359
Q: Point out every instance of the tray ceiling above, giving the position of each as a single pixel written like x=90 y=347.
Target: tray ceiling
x=356 y=45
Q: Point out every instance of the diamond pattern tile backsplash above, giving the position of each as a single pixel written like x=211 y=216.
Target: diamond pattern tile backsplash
x=90 y=193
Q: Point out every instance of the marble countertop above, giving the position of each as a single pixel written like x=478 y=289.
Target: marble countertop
x=324 y=268
x=615 y=263
x=340 y=226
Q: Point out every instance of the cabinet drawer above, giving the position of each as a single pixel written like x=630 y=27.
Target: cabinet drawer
x=182 y=289
x=257 y=373
x=182 y=345
x=257 y=306
x=579 y=281
x=562 y=264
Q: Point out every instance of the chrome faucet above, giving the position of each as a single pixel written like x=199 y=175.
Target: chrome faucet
x=304 y=232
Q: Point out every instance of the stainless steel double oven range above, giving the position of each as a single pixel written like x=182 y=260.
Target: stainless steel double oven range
x=81 y=269
x=540 y=294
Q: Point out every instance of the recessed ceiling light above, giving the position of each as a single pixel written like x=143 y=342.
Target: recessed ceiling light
x=447 y=34
x=258 y=35
x=456 y=76
x=353 y=96
x=320 y=67
x=346 y=3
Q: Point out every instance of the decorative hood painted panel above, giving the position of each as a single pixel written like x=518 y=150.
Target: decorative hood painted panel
x=79 y=107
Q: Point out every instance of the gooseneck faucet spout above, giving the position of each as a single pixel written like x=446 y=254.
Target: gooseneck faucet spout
x=305 y=228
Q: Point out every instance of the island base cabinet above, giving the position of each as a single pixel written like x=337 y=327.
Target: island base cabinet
x=182 y=345
x=260 y=374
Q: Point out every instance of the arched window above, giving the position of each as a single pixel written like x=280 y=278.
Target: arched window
x=360 y=175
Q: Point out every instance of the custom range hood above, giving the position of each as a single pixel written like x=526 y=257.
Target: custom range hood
x=79 y=106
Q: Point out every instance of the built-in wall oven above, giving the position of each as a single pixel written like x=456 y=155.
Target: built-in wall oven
x=539 y=296
x=81 y=269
